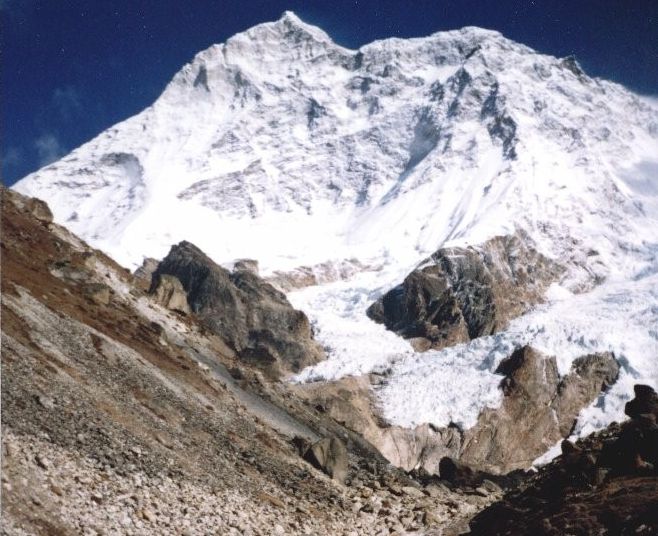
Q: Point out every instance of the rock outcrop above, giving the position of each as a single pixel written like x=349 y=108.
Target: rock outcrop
x=330 y=456
x=539 y=408
x=98 y=293
x=644 y=403
x=254 y=318
x=40 y=210
x=606 y=483
x=459 y=294
x=169 y=292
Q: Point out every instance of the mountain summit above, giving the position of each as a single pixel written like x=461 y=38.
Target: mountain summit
x=283 y=146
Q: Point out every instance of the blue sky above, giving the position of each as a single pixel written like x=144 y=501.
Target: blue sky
x=72 y=68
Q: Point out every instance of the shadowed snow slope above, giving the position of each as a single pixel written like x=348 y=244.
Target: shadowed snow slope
x=281 y=145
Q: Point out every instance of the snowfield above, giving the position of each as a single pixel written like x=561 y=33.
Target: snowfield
x=282 y=146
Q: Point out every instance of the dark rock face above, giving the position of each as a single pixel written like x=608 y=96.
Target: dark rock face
x=539 y=408
x=606 y=483
x=457 y=473
x=644 y=403
x=201 y=79
x=462 y=293
x=254 y=318
x=330 y=456
x=500 y=125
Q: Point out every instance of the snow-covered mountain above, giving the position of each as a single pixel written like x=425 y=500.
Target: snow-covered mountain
x=283 y=146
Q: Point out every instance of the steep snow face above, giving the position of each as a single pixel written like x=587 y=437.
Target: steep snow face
x=263 y=144
x=281 y=145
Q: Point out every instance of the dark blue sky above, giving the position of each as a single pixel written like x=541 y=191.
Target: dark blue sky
x=72 y=68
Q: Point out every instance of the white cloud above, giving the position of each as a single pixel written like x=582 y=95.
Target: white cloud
x=67 y=101
x=48 y=148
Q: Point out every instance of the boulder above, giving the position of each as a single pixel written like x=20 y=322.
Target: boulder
x=330 y=456
x=636 y=448
x=169 y=292
x=456 y=473
x=460 y=293
x=39 y=209
x=645 y=402
x=301 y=444
x=250 y=315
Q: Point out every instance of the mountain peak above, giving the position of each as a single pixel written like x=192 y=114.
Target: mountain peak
x=479 y=31
x=291 y=17
x=296 y=29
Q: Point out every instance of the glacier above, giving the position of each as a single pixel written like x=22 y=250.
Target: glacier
x=282 y=146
